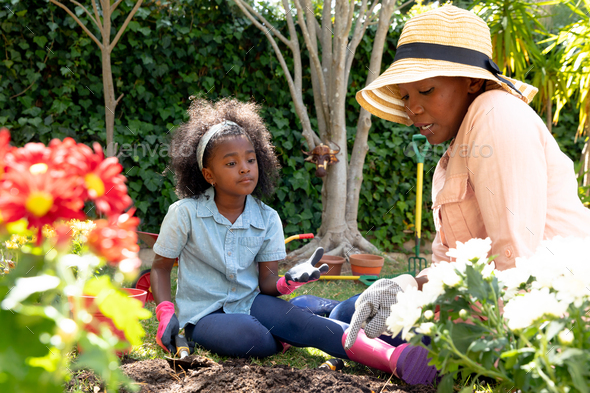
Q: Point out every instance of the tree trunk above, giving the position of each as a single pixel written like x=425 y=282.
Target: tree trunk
x=330 y=68
x=109 y=101
x=105 y=50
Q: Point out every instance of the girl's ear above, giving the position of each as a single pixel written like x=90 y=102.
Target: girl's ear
x=208 y=175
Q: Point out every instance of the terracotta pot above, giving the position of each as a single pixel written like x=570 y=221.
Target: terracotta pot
x=99 y=319
x=334 y=263
x=366 y=264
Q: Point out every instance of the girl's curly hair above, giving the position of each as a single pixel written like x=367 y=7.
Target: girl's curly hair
x=204 y=114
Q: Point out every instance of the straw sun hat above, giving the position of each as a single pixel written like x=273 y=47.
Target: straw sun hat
x=447 y=41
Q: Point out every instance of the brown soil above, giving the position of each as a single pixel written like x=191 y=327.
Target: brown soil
x=156 y=376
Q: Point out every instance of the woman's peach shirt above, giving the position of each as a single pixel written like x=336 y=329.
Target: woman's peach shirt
x=505 y=177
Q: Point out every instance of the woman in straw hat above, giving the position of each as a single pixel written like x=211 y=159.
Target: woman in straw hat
x=503 y=176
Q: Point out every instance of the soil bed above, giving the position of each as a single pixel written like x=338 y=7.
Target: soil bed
x=156 y=376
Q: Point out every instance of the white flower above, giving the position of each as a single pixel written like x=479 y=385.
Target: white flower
x=488 y=271
x=523 y=310
x=474 y=248
x=428 y=315
x=439 y=275
x=405 y=312
x=566 y=337
x=425 y=328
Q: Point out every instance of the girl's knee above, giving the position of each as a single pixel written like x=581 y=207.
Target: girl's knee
x=238 y=336
x=254 y=340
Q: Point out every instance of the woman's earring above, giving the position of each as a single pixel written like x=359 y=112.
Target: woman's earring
x=213 y=184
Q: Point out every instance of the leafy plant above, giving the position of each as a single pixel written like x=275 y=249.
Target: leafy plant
x=523 y=327
x=43 y=311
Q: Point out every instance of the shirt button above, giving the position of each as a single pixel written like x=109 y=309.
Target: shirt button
x=229 y=253
x=508 y=253
x=233 y=289
x=231 y=276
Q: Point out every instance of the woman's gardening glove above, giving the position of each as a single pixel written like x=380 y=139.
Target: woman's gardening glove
x=168 y=326
x=374 y=306
x=302 y=274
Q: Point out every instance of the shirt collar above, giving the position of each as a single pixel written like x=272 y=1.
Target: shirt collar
x=251 y=215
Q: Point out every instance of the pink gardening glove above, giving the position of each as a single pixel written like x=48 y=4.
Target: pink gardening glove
x=302 y=274
x=168 y=327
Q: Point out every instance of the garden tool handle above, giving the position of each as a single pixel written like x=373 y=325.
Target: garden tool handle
x=419 y=206
x=182 y=348
x=420 y=160
x=301 y=236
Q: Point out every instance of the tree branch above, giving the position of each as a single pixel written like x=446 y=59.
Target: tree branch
x=97 y=15
x=360 y=147
x=114 y=6
x=359 y=31
x=294 y=85
x=295 y=49
x=342 y=41
x=266 y=23
x=22 y=92
x=57 y=3
x=119 y=99
x=313 y=54
x=326 y=41
x=317 y=99
x=122 y=29
x=87 y=12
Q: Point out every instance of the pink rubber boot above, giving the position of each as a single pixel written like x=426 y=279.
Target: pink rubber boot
x=407 y=362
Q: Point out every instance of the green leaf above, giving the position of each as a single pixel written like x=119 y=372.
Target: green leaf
x=59 y=106
x=151 y=139
x=579 y=373
x=144 y=30
x=478 y=288
x=40 y=40
x=464 y=334
x=35 y=121
x=152 y=183
x=143 y=206
x=33 y=111
x=133 y=25
x=447 y=384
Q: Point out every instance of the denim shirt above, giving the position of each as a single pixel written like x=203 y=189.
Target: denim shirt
x=216 y=266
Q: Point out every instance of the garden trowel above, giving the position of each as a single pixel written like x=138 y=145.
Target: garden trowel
x=184 y=360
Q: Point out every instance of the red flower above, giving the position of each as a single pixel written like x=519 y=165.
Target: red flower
x=4 y=148
x=115 y=239
x=103 y=181
x=40 y=198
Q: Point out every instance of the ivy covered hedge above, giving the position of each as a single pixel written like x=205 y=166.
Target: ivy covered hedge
x=51 y=87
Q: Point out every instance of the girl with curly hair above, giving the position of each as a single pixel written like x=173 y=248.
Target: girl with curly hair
x=228 y=244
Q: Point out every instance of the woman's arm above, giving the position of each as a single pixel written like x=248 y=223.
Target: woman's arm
x=268 y=277
x=160 y=278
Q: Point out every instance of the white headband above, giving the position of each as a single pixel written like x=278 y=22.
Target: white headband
x=207 y=137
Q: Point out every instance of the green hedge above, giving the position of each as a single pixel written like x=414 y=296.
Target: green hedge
x=196 y=47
